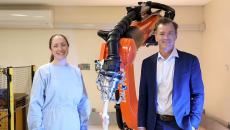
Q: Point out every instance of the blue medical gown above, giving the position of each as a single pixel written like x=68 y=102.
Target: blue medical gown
x=58 y=99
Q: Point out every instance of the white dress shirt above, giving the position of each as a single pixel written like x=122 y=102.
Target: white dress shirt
x=165 y=75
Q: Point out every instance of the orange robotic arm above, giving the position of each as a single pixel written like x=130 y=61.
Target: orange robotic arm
x=115 y=67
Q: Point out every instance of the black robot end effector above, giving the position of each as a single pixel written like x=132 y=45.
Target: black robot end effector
x=111 y=64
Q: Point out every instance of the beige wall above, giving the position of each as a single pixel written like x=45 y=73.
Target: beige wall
x=75 y=14
x=20 y=47
x=26 y=47
x=215 y=59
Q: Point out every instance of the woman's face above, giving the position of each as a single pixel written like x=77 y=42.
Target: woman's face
x=59 y=48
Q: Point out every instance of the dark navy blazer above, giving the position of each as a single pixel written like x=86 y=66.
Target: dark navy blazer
x=187 y=93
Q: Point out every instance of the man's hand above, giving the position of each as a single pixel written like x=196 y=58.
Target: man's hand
x=193 y=128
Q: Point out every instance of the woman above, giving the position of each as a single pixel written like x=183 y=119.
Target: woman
x=58 y=99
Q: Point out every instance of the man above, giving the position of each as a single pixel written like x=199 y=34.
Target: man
x=171 y=94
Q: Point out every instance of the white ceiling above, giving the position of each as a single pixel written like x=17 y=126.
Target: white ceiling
x=104 y=2
x=9 y=20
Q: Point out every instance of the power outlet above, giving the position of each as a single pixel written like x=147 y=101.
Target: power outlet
x=94 y=109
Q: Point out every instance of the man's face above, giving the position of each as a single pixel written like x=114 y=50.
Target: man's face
x=166 y=36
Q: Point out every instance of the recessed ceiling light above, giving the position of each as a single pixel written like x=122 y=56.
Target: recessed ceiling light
x=19 y=15
x=38 y=16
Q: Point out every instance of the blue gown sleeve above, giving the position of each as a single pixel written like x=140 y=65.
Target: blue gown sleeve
x=84 y=109
x=37 y=98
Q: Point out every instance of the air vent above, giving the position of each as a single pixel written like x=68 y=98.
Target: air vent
x=26 y=18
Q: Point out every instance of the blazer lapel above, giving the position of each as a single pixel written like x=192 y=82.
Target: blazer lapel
x=153 y=75
x=178 y=71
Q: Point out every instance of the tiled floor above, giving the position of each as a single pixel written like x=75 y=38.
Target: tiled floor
x=113 y=127
x=97 y=127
